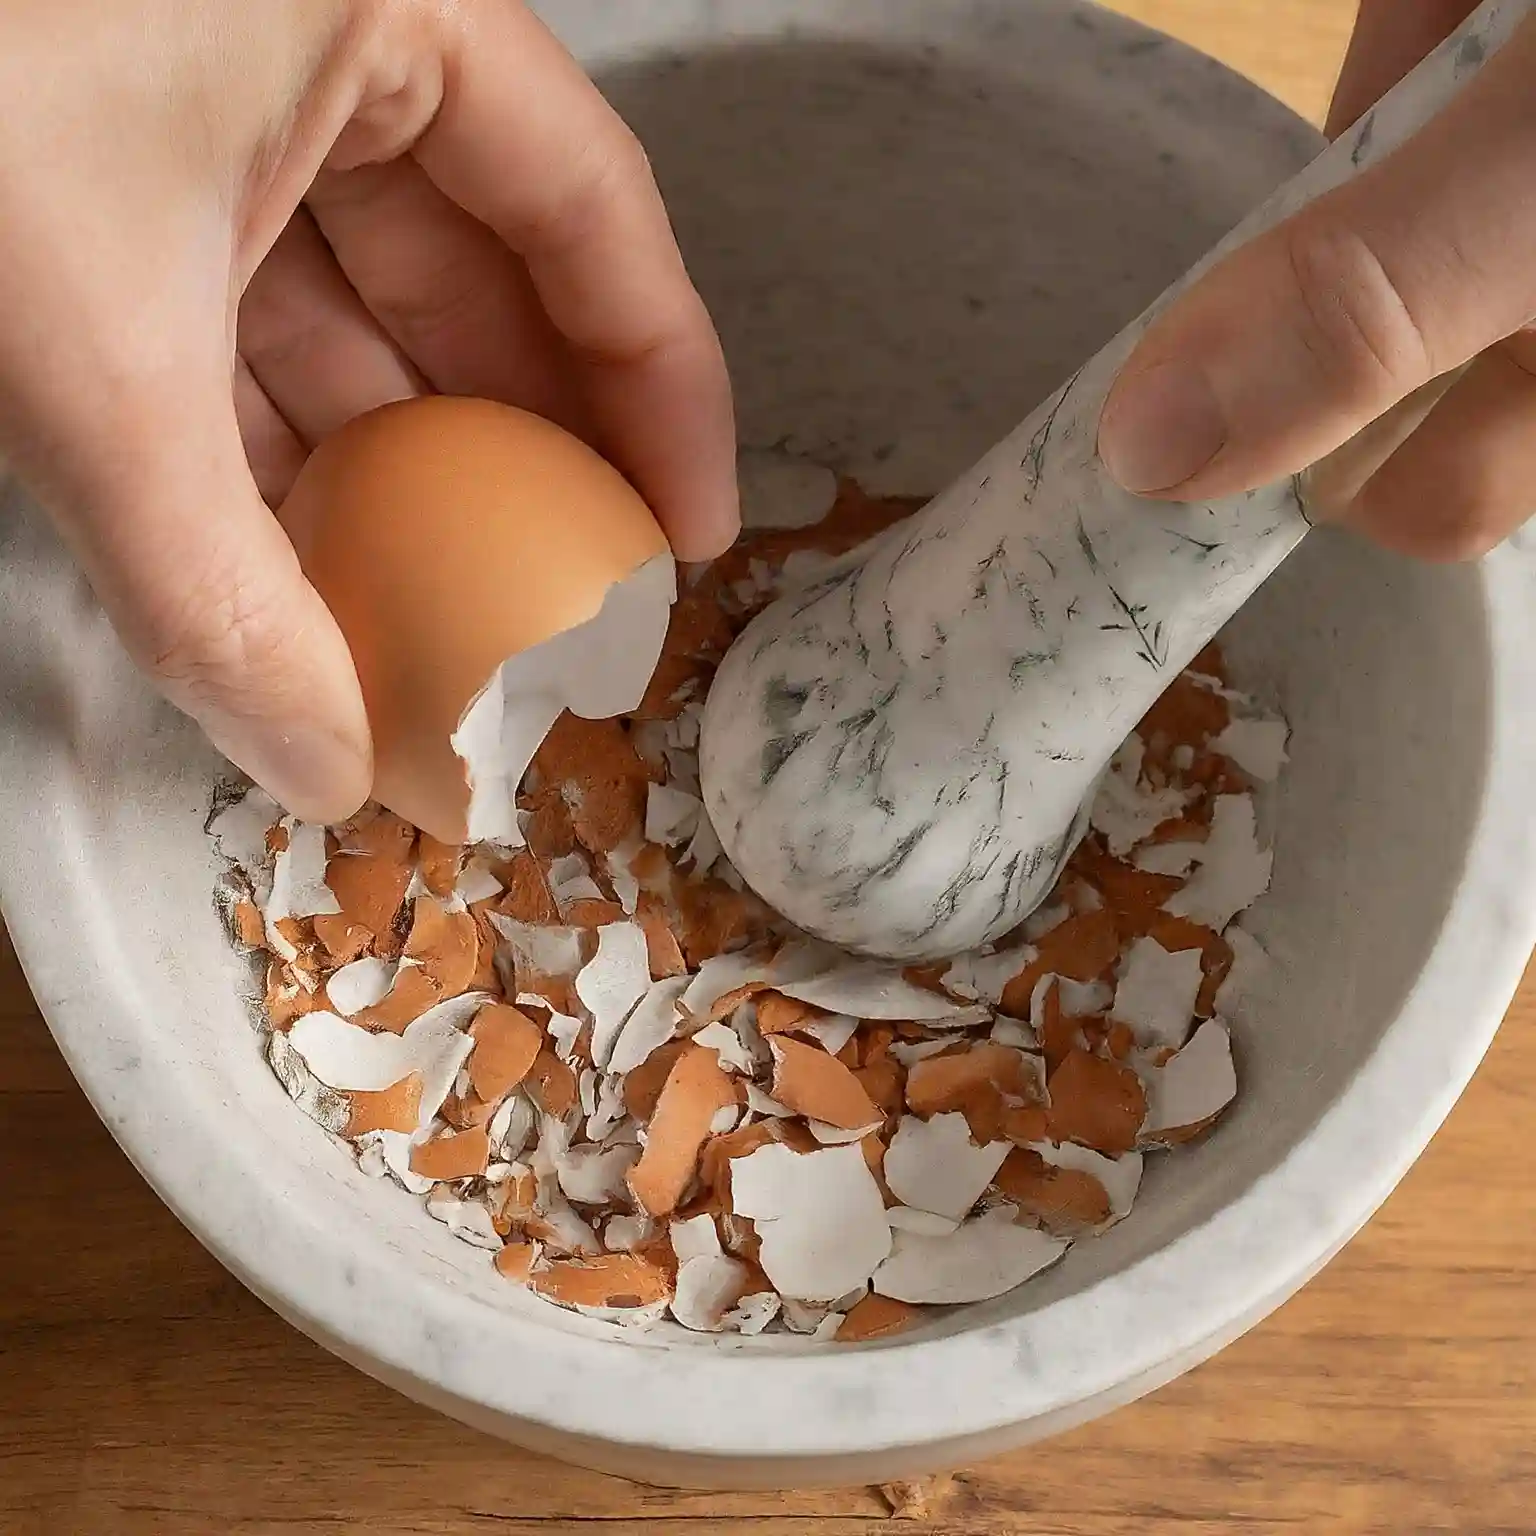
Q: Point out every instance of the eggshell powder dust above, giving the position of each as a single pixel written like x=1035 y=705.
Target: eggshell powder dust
x=599 y=1058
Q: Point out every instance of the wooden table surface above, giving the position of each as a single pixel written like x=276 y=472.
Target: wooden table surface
x=143 y=1392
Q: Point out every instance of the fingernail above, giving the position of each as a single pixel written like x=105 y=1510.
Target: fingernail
x=311 y=772
x=1160 y=427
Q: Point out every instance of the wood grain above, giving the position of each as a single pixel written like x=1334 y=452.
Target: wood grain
x=144 y=1393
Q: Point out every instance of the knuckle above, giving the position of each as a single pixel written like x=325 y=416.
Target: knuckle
x=1351 y=315
x=612 y=167
x=450 y=300
x=218 y=634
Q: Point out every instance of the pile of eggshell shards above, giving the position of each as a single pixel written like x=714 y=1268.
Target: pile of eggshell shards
x=599 y=1058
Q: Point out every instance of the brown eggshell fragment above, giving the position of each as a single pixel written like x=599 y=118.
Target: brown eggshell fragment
x=286 y=997
x=976 y=1078
x=1082 y=948
x=549 y=833
x=486 y=977
x=411 y=995
x=439 y=864
x=661 y=946
x=452 y=1155
x=696 y=1090
x=601 y=777
x=343 y=939
x=812 y=1083
x=507 y=1043
x=716 y=918
x=527 y=897
x=1027 y=1124
x=1060 y=1199
x=778 y=1015
x=396 y=1108
x=551 y=1083
x=1187 y=713
x=592 y=912
x=466 y=1112
x=643 y=1084
x=612 y=1280
x=379 y=832
x=515 y=1262
x=875 y=1317
x=512 y=505
x=1097 y=1103
x=246 y=925
x=511 y=1202
x=370 y=872
x=446 y=943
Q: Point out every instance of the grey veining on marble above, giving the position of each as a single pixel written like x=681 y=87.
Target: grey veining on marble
x=898 y=757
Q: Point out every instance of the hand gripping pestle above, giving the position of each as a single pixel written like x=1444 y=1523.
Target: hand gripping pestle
x=900 y=756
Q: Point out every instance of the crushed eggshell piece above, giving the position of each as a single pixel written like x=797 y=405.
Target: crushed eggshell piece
x=444 y=943
x=515 y=1261
x=651 y=1025
x=552 y=1084
x=507 y=1043
x=865 y=989
x=662 y=948
x=396 y=1108
x=875 y=1317
x=452 y=1155
x=933 y=1165
x=1192 y=1088
x=362 y=984
x=695 y=1090
x=412 y=992
x=983 y=1258
x=1119 y=1176
x=708 y=1287
x=1233 y=871
x=1157 y=992
x=1096 y=1102
x=811 y=1083
x=616 y=1280
x=820 y=1216
x=779 y=1015
x=612 y=982
x=1062 y=1200
x=468 y=1220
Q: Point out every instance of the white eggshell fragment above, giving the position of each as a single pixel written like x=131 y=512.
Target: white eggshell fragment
x=596 y=670
x=983 y=1258
x=1256 y=746
x=1157 y=992
x=612 y=982
x=819 y=1214
x=1233 y=871
x=360 y=985
x=652 y=1023
x=934 y=1166
x=1197 y=1083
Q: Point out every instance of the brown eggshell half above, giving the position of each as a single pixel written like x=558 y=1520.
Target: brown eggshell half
x=447 y=535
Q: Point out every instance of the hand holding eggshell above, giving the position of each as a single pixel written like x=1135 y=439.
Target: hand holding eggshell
x=231 y=228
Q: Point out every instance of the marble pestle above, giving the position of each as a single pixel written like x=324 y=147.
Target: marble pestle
x=899 y=756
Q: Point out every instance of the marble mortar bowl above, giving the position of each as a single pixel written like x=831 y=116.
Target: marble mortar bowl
x=912 y=220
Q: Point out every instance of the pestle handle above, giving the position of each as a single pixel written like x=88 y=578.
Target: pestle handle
x=899 y=757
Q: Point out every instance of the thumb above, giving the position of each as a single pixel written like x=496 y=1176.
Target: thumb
x=1294 y=343
x=203 y=586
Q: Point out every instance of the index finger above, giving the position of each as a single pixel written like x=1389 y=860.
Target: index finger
x=526 y=143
